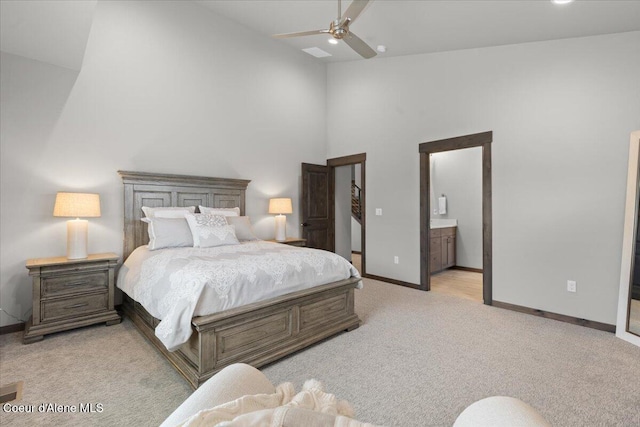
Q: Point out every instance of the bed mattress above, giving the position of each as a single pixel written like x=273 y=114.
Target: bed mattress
x=176 y=284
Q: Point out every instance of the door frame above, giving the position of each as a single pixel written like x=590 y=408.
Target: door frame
x=333 y=163
x=483 y=140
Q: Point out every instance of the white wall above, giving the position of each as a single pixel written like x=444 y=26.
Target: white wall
x=343 y=211
x=356 y=236
x=458 y=175
x=163 y=88
x=561 y=112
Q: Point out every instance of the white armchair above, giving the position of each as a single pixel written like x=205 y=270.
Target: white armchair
x=239 y=380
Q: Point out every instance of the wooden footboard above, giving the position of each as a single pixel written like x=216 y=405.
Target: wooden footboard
x=257 y=333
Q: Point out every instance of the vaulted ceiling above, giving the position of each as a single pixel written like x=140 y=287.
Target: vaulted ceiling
x=422 y=26
x=57 y=31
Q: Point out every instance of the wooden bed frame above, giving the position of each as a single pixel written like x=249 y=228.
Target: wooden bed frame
x=257 y=333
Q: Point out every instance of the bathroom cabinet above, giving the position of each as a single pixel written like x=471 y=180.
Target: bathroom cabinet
x=442 y=248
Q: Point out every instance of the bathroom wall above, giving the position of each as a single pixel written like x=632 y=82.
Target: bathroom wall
x=458 y=175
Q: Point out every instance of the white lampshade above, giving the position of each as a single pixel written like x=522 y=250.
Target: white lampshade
x=77 y=205
x=280 y=206
x=86 y=205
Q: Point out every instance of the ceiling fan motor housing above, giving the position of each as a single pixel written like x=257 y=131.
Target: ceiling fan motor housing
x=339 y=29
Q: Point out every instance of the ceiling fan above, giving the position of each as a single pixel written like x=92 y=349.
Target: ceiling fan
x=339 y=29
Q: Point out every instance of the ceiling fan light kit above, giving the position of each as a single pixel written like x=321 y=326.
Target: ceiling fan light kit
x=339 y=29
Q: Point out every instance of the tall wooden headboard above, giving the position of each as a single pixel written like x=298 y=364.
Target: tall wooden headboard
x=158 y=190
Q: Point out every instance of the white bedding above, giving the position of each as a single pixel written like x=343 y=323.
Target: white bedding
x=176 y=284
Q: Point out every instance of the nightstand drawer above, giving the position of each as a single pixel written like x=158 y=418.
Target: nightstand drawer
x=74 y=283
x=73 y=307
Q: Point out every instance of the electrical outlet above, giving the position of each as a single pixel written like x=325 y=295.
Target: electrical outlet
x=396 y=260
x=572 y=286
x=379 y=211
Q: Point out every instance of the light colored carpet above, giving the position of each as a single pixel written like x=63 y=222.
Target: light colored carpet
x=421 y=358
x=114 y=366
x=418 y=360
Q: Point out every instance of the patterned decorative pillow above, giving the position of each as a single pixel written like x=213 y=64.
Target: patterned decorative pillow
x=211 y=230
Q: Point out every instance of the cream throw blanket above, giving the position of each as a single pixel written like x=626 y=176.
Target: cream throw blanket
x=311 y=407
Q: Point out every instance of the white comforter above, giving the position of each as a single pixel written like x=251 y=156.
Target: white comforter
x=175 y=284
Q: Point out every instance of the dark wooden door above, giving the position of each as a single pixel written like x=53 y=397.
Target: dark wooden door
x=317 y=206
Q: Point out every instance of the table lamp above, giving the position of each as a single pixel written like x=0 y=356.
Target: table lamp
x=77 y=205
x=280 y=206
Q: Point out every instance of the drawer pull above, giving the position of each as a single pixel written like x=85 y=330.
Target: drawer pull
x=84 y=282
x=82 y=304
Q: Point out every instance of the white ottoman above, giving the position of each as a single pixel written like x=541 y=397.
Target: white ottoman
x=500 y=411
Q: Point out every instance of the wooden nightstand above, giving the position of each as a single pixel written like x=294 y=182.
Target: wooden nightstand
x=69 y=293
x=292 y=241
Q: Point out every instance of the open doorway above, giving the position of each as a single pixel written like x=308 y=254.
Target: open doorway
x=456 y=223
x=348 y=178
x=348 y=213
x=428 y=236
x=333 y=207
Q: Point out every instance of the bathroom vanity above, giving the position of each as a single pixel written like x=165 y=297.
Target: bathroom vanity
x=442 y=244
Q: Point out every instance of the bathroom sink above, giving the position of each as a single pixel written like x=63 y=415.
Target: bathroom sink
x=443 y=223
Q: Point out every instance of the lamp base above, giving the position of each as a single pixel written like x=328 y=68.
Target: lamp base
x=77 y=238
x=281 y=228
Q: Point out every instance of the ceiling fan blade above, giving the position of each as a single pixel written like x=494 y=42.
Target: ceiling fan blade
x=303 y=33
x=359 y=46
x=355 y=8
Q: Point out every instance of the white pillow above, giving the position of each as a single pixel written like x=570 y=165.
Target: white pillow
x=163 y=212
x=211 y=230
x=168 y=233
x=220 y=211
x=244 y=230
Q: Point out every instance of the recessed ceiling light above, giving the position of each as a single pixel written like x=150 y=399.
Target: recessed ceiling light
x=381 y=48
x=332 y=41
x=561 y=1
x=317 y=52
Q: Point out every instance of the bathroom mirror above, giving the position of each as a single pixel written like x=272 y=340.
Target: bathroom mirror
x=628 y=324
